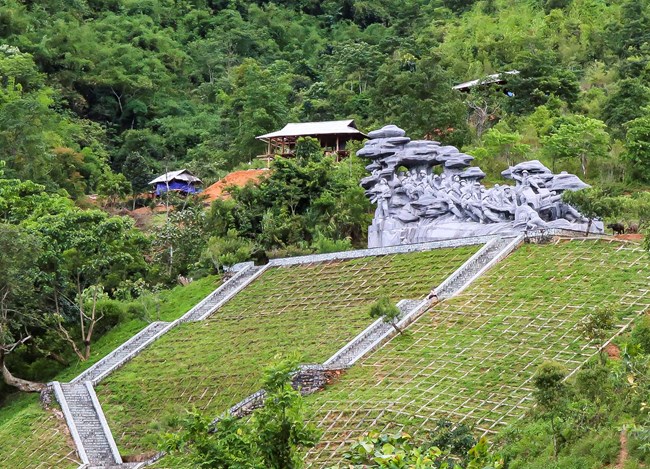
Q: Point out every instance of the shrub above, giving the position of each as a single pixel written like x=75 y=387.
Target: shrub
x=641 y=334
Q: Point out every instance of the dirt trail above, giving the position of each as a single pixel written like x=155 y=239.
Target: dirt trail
x=622 y=456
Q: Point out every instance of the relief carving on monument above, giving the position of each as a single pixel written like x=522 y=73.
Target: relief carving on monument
x=425 y=191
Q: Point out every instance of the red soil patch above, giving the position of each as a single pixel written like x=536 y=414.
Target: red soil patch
x=238 y=178
x=630 y=237
x=613 y=351
x=141 y=211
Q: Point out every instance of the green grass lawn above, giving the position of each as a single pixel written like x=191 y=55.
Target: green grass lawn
x=173 y=304
x=471 y=359
x=31 y=437
x=311 y=309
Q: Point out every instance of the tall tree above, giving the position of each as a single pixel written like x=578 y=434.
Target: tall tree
x=18 y=304
x=637 y=144
x=578 y=137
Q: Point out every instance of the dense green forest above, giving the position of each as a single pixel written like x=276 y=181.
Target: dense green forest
x=95 y=89
x=97 y=97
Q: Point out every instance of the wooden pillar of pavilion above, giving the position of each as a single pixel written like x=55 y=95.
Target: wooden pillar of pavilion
x=337 y=149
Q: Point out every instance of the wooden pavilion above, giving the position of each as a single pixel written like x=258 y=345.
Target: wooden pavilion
x=332 y=135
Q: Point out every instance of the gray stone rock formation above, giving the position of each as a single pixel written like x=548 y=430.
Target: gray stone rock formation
x=425 y=191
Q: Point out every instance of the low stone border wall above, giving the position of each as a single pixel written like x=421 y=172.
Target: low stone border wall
x=401 y=249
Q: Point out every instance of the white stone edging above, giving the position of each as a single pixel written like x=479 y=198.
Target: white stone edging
x=131 y=355
x=464 y=266
x=228 y=297
x=351 y=344
x=509 y=248
x=74 y=433
x=400 y=249
x=88 y=371
x=564 y=232
x=102 y=421
x=216 y=291
x=514 y=244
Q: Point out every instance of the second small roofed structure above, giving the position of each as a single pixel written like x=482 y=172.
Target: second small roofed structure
x=494 y=79
x=176 y=181
x=332 y=135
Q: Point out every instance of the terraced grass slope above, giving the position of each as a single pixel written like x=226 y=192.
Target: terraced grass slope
x=311 y=309
x=471 y=358
x=35 y=438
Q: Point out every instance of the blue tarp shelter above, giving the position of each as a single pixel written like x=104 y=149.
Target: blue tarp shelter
x=178 y=181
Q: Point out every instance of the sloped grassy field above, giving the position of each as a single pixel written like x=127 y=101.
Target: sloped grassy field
x=471 y=359
x=310 y=309
x=31 y=437
x=35 y=438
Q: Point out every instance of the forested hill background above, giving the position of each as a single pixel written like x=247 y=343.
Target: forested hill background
x=97 y=97
x=96 y=88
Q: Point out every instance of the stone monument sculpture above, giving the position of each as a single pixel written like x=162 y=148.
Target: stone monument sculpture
x=426 y=191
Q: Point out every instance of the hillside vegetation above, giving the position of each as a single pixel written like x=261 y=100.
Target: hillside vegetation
x=310 y=310
x=94 y=89
x=98 y=97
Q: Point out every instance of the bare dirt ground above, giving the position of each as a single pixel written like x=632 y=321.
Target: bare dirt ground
x=238 y=178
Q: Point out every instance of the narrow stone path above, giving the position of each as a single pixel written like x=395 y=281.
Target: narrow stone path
x=122 y=354
x=460 y=279
x=216 y=299
x=88 y=425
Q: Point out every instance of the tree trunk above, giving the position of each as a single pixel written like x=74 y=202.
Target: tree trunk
x=589 y=226
x=91 y=327
x=21 y=384
x=399 y=331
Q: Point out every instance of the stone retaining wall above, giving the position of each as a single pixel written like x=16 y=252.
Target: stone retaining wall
x=401 y=249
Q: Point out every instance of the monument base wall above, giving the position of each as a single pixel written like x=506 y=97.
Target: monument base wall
x=384 y=233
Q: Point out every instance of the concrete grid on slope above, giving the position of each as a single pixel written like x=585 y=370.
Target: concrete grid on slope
x=313 y=308
x=470 y=359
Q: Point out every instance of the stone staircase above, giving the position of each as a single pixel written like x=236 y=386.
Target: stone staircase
x=475 y=266
x=122 y=354
x=82 y=410
x=221 y=295
x=369 y=339
x=83 y=413
x=87 y=424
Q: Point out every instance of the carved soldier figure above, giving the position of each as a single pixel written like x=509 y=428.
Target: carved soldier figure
x=419 y=205
x=383 y=195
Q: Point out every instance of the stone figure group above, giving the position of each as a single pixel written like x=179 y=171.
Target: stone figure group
x=425 y=191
